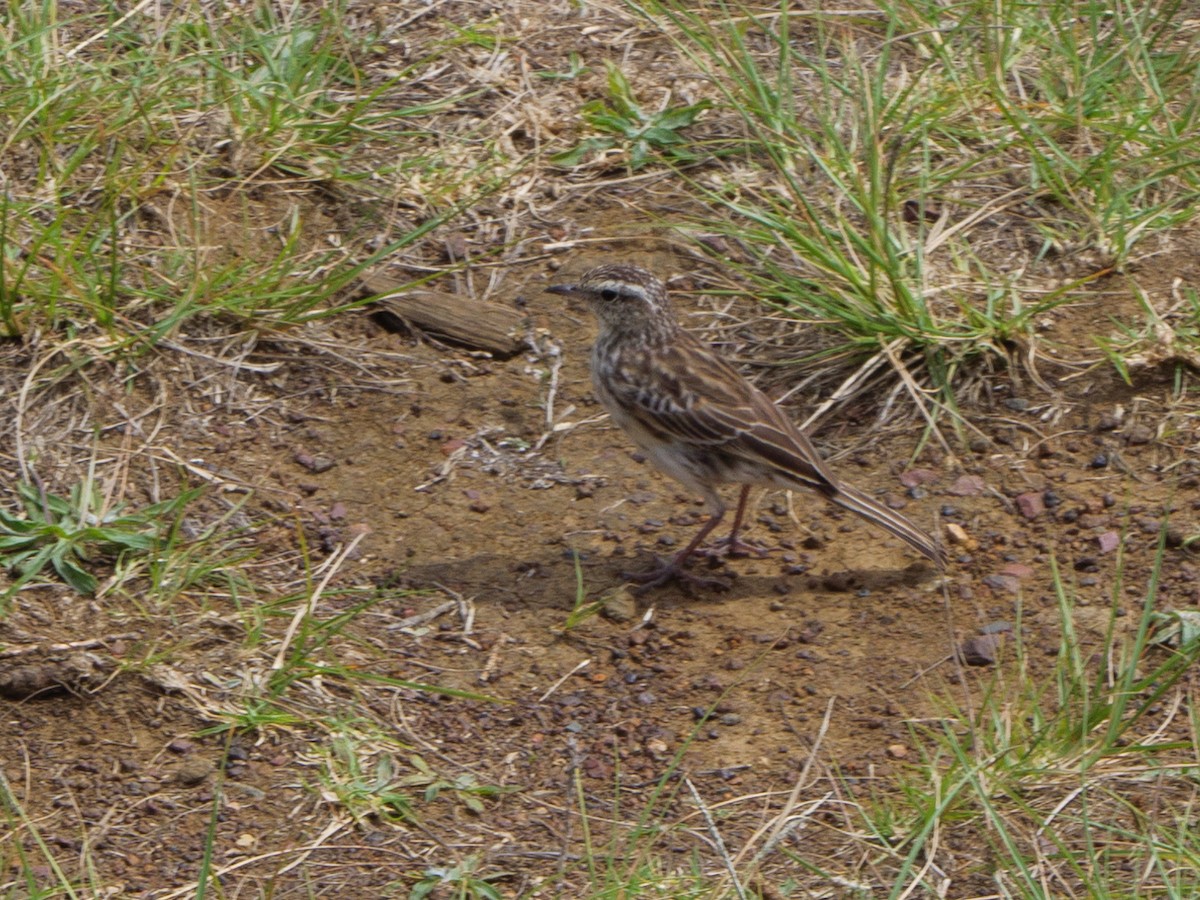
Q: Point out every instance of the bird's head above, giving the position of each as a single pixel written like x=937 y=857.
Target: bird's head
x=621 y=296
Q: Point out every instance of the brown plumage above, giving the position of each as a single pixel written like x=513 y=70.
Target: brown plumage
x=696 y=418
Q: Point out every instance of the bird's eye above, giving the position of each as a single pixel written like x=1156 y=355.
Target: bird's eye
x=608 y=294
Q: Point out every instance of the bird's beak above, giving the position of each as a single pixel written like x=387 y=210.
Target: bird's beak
x=567 y=289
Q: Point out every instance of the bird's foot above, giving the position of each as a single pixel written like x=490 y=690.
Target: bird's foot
x=733 y=547
x=667 y=572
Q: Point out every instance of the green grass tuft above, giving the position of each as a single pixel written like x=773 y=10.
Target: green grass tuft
x=868 y=167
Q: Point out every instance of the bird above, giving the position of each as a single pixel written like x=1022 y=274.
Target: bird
x=698 y=420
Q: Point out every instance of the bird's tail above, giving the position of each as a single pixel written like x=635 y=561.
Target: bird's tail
x=874 y=511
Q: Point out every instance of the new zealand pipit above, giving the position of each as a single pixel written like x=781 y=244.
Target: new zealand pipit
x=697 y=419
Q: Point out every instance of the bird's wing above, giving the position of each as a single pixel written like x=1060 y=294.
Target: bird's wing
x=692 y=395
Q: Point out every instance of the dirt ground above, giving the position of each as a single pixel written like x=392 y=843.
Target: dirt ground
x=820 y=657
x=493 y=492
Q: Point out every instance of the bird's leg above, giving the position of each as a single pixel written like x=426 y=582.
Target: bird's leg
x=673 y=570
x=732 y=545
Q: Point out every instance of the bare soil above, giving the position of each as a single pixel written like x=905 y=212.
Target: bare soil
x=820 y=658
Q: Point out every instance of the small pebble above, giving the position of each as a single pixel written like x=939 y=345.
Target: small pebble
x=968 y=486
x=917 y=477
x=997 y=582
x=193 y=771
x=1017 y=570
x=1031 y=504
x=1139 y=434
x=619 y=604
x=316 y=464
x=956 y=534
x=981 y=650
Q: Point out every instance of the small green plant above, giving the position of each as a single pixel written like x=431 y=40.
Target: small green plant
x=575 y=68
x=625 y=124
x=464 y=787
x=258 y=714
x=461 y=878
x=582 y=610
x=479 y=34
x=377 y=789
x=1178 y=628
x=68 y=533
x=1168 y=337
x=362 y=792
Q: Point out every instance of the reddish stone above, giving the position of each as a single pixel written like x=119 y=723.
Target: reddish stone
x=967 y=486
x=916 y=477
x=1017 y=570
x=1009 y=583
x=1031 y=505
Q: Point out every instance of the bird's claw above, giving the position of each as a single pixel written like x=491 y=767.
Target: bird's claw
x=673 y=571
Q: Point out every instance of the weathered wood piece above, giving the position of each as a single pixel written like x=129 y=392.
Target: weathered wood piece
x=477 y=324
